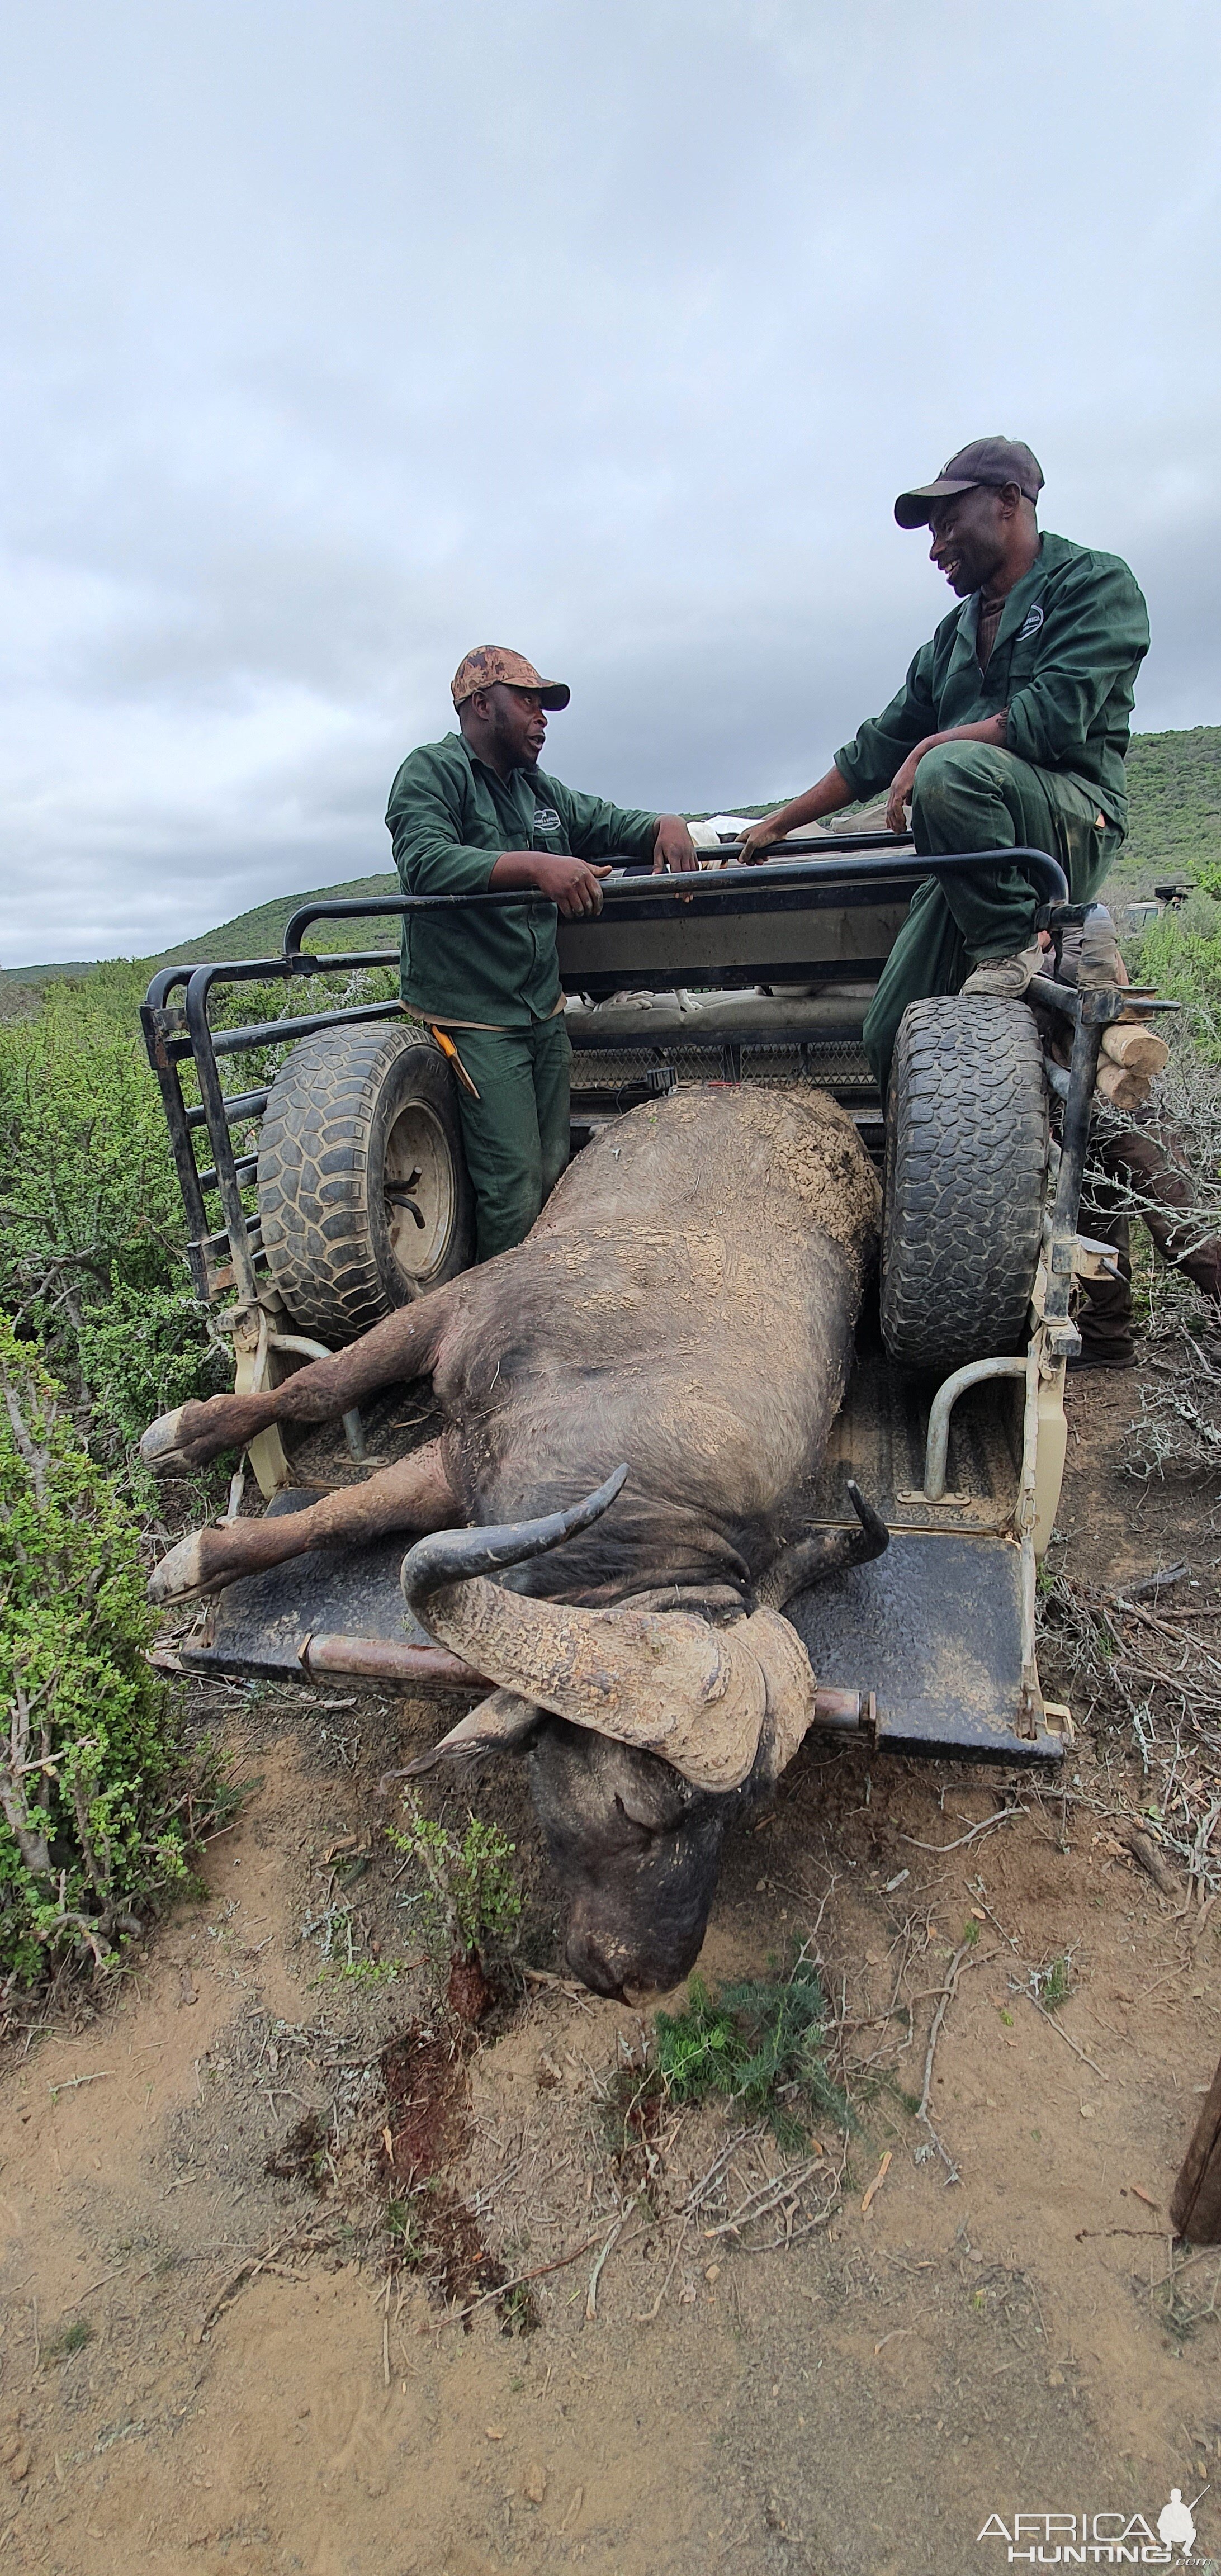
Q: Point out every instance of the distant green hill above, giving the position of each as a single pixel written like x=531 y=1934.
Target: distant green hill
x=1174 y=791
x=260 y=933
x=44 y=974
x=1174 y=787
x=253 y=934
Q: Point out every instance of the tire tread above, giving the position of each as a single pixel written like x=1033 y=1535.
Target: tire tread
x=966 y=1166
x=314 y=1180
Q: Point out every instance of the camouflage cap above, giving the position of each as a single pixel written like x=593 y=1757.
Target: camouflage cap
x=995 y=461
x=490 y=663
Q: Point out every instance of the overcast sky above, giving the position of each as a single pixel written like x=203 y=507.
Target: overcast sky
x=342 y=335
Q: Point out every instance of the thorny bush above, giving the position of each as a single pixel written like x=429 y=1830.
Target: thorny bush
x=469 y=1897
x=96 y=1809
x=761 y=2042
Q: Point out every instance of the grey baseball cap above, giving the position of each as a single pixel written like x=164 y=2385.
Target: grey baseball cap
x=987 y=460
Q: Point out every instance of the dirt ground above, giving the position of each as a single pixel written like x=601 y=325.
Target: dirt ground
x=755 y=2360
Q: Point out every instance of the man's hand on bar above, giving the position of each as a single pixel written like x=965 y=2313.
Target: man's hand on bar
x=571 y=884
x=831 y=793
x=673 y=848
x=674 y=851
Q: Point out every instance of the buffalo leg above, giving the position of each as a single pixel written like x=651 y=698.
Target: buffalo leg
x=403 y=1345
x=414 y=1494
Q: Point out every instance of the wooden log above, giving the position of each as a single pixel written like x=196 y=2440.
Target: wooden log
x=1124 y=1090
x=1146 y=1852
x=1195 y=2209
x=1139 y=1050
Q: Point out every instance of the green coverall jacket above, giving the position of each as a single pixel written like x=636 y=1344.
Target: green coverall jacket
x=450 y=816
x=1071 y=640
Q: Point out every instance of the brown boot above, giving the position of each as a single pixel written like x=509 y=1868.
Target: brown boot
x=1004 y=979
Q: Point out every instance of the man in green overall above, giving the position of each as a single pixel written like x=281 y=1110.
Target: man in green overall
x=474 y=813
x=1010 y=730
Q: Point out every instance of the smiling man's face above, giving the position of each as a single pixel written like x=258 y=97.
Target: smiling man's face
x=969 y=534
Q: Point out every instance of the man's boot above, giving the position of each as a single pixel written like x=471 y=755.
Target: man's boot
x=1004 y=979
x=1098 y=959
x=1104 y=1315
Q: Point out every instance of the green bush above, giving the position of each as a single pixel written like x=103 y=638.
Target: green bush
x=470 y=1897
x=91 y=1224
x=140 y=1353
x=95 y=1810
x=762 y=2042
x=92 y=1228
x=1181 y=954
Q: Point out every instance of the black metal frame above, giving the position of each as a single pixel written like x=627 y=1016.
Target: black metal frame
x=865 y=868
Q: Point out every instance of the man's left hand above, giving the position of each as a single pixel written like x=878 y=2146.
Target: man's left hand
x=992 y=729
x=901 y=790
x=673 y=848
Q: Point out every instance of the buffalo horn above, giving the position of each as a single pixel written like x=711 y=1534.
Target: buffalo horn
x=667 y=1683
x=454 y=1556
x=499 y=1725
x=831 y=1552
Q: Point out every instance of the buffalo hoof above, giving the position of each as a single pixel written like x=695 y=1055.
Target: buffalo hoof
x=193 y=1433
x=174 y=1444
x=160 y=1447
x=185 y=1571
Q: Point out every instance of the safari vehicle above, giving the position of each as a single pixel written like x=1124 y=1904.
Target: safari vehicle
x=953 y=1423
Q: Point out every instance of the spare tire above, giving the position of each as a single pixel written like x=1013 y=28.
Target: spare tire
x=364 y=1195
x=965 y=1176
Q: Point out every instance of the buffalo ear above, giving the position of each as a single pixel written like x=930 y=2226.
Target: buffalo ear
x=502 y=1723
x=791 y=1691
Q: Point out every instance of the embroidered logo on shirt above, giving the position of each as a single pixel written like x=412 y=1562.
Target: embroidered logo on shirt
x=547 y=820
x=1030 y=625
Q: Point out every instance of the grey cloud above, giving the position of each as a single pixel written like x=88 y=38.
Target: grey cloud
x=340 y=341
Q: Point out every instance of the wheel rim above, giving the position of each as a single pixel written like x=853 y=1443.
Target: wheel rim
x=421 y=1196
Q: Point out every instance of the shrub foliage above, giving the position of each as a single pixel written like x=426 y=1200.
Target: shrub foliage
x=761 y=2041
x=92 y=1230
x=90 y=1823
x=103 y=1332
x=469 y=1895
x=91 y=1224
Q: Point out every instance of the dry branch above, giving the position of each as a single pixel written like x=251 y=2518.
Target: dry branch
x=1150 y=1859
x=985 y=1826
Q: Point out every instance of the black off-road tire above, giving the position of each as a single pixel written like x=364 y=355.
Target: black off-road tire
x=966 y=1170
x=352 y=1113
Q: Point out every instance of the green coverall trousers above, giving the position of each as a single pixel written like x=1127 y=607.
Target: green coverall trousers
x=516 y=1133
x=972 y=796
x=1145 y=1159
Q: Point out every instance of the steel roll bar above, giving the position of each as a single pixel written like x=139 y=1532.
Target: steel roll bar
x=870 y=861
x=216 y=1120
x=937 y=1440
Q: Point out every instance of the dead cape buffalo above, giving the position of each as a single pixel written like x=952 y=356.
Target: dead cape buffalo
x=683 y=1310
